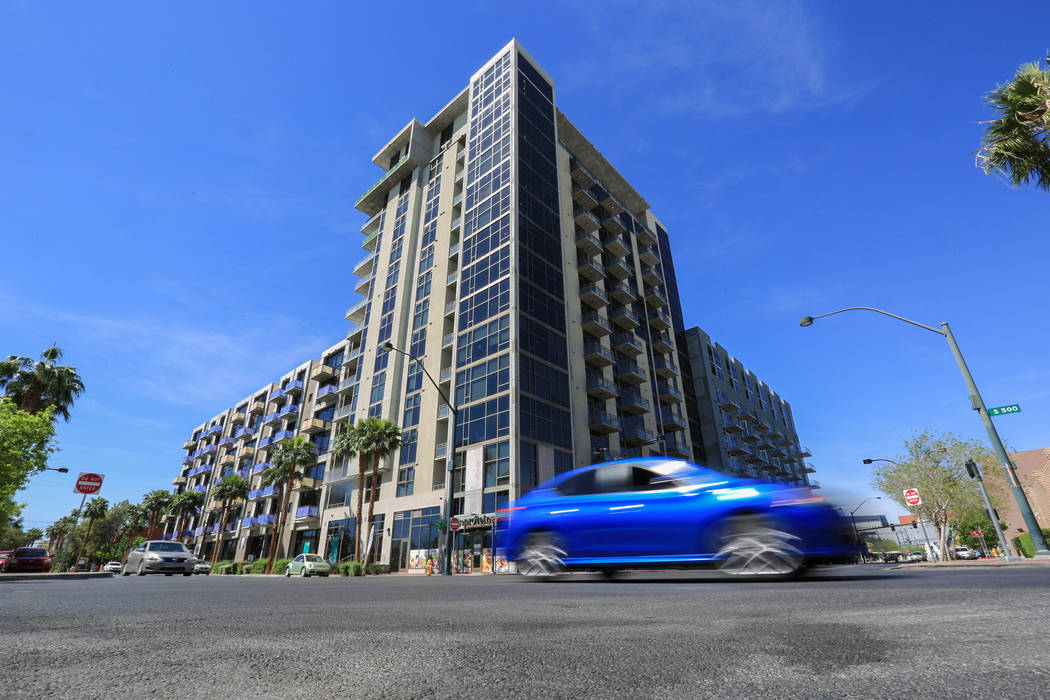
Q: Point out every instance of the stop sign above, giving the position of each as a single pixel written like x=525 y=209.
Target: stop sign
x=911 y=497
x=976 y=533
x=453 y=524
x=88 y=483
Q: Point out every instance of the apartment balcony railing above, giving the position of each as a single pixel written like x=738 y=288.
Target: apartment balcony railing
x=214 y=430
x=597 y=354
x=668 y=393
x=595 y=325
x=257 y=408
x=661 y=342
x=664 y=367
x=648 y=254
x=618 y=270
x=210 y=449
x=189 y=444
x=601 y=422
x=593 y=296
x=289 y=411
x=625 y=318
x=626 y=343
x=622 y=293
x=584 y=196
x=589 y=223
x=245 y=434
x=260 y=466
x=307 y=512
x=629 y=373
x=677 y=448
x=633 y=403
x=322 y=373
x=636 y=435
x=654 y=296
x=188 y=459
x=327 y=394
x=600 y=388
x=293 y=388
x=263 y=519
x=282 y=435
x=272 y=418
x=591 y=269
x=613 y=240
x=343 y=412
x=246 y=522
x=276 y=394
x=672 y=421
x=226 y=441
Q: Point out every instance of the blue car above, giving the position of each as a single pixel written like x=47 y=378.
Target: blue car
x=658 y=512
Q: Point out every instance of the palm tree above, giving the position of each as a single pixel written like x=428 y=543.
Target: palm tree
x=381 y=437
x=137 y=514
x=348 y=444
x=36 y=385
x=96 y=508
x=183 y=506
x=32 y=535
x=56 y=532
x=288 y=455
x=1017 y=143
x=233 y=487
x=154 y=503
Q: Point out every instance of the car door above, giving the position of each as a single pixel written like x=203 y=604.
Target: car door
x=135 y=556
x=297 y=564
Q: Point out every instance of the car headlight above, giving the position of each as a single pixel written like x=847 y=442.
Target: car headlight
x=153 y=557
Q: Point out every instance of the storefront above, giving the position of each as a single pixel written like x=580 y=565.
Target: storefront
x=473 y=546
x=340 y=539
x=414 y=539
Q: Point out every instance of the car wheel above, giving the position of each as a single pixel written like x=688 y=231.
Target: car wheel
x=542 y=557
x=287 y=571
x=142 y=568
x=302 y=573
x=753 y=547
x=125 y=572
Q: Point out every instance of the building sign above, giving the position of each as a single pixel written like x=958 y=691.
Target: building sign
x=476 y=522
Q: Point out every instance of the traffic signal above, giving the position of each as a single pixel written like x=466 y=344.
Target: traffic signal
x=914 y=525
x=972 y=470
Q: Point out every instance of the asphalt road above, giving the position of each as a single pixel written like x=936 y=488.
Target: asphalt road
x=860 y=631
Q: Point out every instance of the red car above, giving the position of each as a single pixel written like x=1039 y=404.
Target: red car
x=27 y=559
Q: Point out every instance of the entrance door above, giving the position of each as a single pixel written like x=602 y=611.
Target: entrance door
x=398 y=555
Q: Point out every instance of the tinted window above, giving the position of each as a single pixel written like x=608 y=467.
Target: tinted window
x=578 y=485
x=167 y=547
x=29 y=552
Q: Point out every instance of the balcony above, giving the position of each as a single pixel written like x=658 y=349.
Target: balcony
x=616 y=229
x=593 y=296
x=654 y=296
x=659 y=321
x=632 y=403
x=579 y=174
x=189 y=444
x=445 y=375
x=362 y=285
x=664 y=367
x=625 y=318
x=446 y=342
x=257 y=408
x=263 y=520
x=327 y=394
x=444 y=412
x=282 y=435
x=210 y=449
x=649 y=255
x=313 y=426
x=305 y=484
x=626 y=343
x=370 y=241
x=322 y=373
x=450 y=309
x=623 y=293
x=293 y=388
x=749 y=437
x=451 y=279
x=289 y=411
x=271 y=419
x=363 y=267
x=668 y=393
x=586 y=221
x=246 y=522
x=726 y=403
x=805 y=452
x=662 y=342
x=609 y=203
x=597 y=354
x=651 y=277
x=637 y=435
x=351 y=356
x=600 y=388
x=228 y=460
x=356 y=313
x=276 y=394
x=617 y=270
x=245 y=434
x=261 y=466
x=737 y=449
x=347 y=384
x=644 y=235
x=178 y=481
x=343 y=412
x=677 y=448
x=629 y=373
x=601 y=422
x=214 y=430
x=595 y=325
x=226 y=441
x=672 y=421
x=583 y=196
x=590 y=269
x=188 y=459
x=237 y=417
x=307 y=512
x=246 y=451
x=441 y=450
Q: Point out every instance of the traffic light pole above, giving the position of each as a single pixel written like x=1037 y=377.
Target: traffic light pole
x=988 y=505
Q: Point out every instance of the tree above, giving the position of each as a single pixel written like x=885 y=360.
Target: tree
x=56 y=533
x=96 y=508
x=34 y=386
x=232 y=488
x=32 y=535
x=288 y=455
x=1017 y=143
x=155 y=503
x=349 y=444
x=183 y=506
x=935 y=465
x=26 y=442
x=381 y=437
x=136 y=516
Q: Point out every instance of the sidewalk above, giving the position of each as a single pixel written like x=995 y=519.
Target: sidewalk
x=55 y=576
x=957 y=564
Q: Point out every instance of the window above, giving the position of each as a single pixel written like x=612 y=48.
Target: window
x=408 y=446
x=494 y=500
x=563 y=461
x=378 y=386
x=545 y=423
x=483 y=341
x=485 y=304
x=579 y=485
x=411 y=416
x=423 y=285
x=483 y=380
x=526 y=465
x=484 y=421
x=406 y=477
x=497 y=464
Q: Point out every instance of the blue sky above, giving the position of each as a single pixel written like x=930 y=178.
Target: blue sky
x=177 y=186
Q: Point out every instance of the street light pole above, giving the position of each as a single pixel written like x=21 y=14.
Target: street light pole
x=445 y=549
x=856 y=533
x=978 y=405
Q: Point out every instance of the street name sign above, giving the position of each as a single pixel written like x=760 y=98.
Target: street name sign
x=1003 y=410
x=453 y=524
x=911 y=497
x=976 y=533
x=88 y=483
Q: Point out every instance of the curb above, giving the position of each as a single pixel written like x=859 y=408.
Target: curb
x=953 y=565
x=54 y=577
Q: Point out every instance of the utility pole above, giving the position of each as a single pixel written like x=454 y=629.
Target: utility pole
x=974 y=470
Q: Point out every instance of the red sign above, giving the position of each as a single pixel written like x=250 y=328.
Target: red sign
x=88 y=483
x=976 y=533
x=453 y=524
x=911 y=497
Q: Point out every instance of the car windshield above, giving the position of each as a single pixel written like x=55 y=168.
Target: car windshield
x=166 y=547
x=312 y=557
x=27 y=552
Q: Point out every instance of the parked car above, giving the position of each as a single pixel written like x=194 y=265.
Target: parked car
x=202 y=567
x=112 y=567
x=27 y=559
x=658 y=512
x=308 y=565
x=966 y=552
x=160 y=557
x=891 y=557
x=917 y=556
x=3 y=557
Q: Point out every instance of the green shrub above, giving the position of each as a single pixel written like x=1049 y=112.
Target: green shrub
x=375 y=569
x=356 y=568
x=258 y=566
x=1024 y=543
x=217 y=567
x=344 y=569
x=279 y=566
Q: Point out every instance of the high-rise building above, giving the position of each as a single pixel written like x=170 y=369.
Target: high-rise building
x=739 y=425
x=533 y=286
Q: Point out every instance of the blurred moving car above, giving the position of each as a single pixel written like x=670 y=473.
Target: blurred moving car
x=308 y=565
x=27 y=559
x=659 y=512
x=112 y=567
x=202 y=567
x=966 y=552
x=160 y=557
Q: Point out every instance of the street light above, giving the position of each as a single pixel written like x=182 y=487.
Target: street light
x=977 y=403
x=446 y=555
x=856 y=533
x=64 y=470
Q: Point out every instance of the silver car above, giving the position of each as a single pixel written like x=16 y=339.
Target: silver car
x=160 y=557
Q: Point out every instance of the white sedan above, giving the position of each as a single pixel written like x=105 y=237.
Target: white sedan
x=112 y=567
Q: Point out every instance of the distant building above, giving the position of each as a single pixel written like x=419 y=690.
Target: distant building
x=1033 y=471
x=738 y=425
